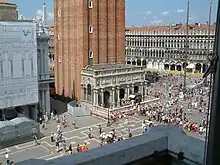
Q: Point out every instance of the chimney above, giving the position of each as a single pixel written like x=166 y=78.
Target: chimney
x=45 y=14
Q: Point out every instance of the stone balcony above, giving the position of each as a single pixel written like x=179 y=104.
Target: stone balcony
x=163 y=145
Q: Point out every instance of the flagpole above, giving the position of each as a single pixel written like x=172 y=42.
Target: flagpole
x=209 y=27
x=186 y=44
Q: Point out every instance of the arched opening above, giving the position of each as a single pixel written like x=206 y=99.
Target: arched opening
x=89 y=93
x=129 y=62
x=144 y=62
x=204 y=67
x=136 y=88
x=121 y=93
x=133 y=63
x=139 y=62
x=106 y=99
x=178 y=67
x=172 y=67
x=166 y=66
x=198 y=67
x=185 y=65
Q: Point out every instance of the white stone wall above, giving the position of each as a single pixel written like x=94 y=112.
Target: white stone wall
x=18 y=64
x=154 y=49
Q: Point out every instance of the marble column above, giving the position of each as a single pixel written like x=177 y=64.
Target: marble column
x=43 y=102
x=94 y=97
x=102 y=97
x=113 y=97
x=128 y=91
x=118 y=96
x=132 y=89
x=47 y=93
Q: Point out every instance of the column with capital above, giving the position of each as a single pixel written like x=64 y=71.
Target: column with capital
x=128 y=91
x=113 y=97
x=118 y=96
x=94 y=97
x=132 y=89
x=48 y=102
x=102 y=97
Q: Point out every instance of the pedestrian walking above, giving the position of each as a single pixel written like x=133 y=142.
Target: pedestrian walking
x=70 y=149
x=100 y=129
x=52 y=137
x=7 y=158
x=35 y=139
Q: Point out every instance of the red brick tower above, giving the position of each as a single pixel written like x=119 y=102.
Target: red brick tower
x=87 y=32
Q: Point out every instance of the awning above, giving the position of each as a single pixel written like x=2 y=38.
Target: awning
x=191 y=66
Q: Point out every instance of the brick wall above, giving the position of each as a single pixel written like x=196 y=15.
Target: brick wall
x=72 y=49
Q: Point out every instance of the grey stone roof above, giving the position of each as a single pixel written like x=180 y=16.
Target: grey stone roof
x=109 y=66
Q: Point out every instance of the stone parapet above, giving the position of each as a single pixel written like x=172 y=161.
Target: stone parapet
x=159 y=139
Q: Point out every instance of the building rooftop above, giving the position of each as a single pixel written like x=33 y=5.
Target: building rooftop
x=6 y=3
x=169 y=140
x=177 y=27
x=109 y=66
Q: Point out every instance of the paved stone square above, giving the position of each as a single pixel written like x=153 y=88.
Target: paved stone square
x=47 y=149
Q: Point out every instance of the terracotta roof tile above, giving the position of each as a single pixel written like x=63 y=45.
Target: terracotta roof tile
x=177 y=27
x=6 y=3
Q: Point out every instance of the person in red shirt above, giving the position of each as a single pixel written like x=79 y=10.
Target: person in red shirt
x=79 y=148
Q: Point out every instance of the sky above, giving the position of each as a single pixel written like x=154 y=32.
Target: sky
x=138 y=12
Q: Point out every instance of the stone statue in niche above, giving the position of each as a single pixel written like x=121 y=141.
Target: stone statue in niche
x=97 y=82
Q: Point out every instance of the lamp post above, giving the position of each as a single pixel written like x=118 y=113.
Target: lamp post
x=186 y=45
x=108 y=123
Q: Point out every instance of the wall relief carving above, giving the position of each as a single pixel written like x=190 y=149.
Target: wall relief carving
x=106 y=81
x=121 y=79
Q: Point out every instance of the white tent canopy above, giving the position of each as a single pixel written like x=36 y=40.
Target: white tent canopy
x=132 y=96
x=191 y=66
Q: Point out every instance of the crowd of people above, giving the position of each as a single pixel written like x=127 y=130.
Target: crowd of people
x=175 y=107
x=188 y=110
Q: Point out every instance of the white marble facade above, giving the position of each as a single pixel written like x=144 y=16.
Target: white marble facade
x=18 y=64
x=43 y=69
x=24 y=68
x=166 y=49
x=111 y=85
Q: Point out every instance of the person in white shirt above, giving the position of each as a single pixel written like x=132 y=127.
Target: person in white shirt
x=7 y=157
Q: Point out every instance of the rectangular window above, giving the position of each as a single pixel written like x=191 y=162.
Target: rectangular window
x=90 y=4
x=90 y=29
x=1 y=70
x=11 y=68
x=59 y=13
x=58 y=36
x=23 y=67
x=90 y=54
